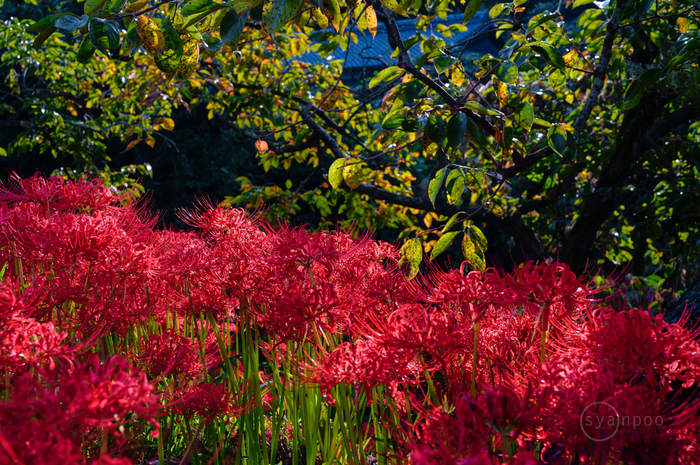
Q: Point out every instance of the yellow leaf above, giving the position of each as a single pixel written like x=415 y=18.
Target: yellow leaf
x=371 y=19
x=151 y=141
x=683 y=24
x=153 y=39
x=457 y=76
x=167 y=123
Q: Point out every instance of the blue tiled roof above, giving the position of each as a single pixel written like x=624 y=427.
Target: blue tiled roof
x=370 y=53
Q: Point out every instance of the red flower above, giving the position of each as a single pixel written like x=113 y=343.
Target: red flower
x=209 y=401
x=169 y=353
x=45 y=425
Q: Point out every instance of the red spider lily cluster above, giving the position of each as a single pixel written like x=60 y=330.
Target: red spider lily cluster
x=114 y=334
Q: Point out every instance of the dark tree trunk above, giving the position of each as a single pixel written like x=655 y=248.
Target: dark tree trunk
x=689 y=301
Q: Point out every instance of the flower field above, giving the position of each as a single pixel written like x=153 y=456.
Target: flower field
x=248 y=342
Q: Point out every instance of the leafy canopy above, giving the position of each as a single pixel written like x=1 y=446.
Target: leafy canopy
x=579 y=137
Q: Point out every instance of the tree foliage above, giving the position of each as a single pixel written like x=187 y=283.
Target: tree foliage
x=578 y=139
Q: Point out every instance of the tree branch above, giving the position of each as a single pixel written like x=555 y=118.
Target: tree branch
x=601 y=70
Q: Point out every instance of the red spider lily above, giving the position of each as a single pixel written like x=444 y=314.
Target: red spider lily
x=446 y=438
x=415 y=329
x=209 y=401
x=58 y=194
x=473 y=292
x=297 y=247
x=466 y=434
x=46 y=426
x=24 y=341
x=640 y=348
x=547 y=288
x=169 y=353
x=584 y=401
x=18 y=302
x=300 y=310
x=361 y=363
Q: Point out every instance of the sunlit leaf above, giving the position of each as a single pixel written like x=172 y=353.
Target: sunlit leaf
x=387 y=74
x=507 y=72
x=472 y=254
x=454 y=185
x=277 y=13
x=170 y=58
x=352 y=174
x=480 y=109
x=525 y=115
x=443 y=243
x=411 y=254
x=335 y=172
x=436 y=184
x=451 y=222
x=371 y=19
x=394 y=6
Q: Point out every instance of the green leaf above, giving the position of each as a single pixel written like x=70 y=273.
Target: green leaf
x=414 y=124
x=195 y=6
x=42 y=36
x=442 y=244
x=435 y=129
x=277 y=13
x=393 y=121
x=633 y=95
x=411 y=254
x=387 y=74
x=540 y=19
x=71 y=23
x=92 y=6
x=496 y=209
x=104 y=35
x=475 y=132
x=556 y=138
x=436 y=184
x=335 y=172
x=394 y=6
x=578 y=3
x=474 y=179
x=525 y=115
x=454 y=185
x=472 y=7
x=455 y=130
x=169 y=60
x=451 y=222
x=113 y=7
x=241 y=6
x=232 y=27
x=507 y=72
x=550 y=54
x=477 y=236
x=556 y=78
x=444 y=62
x=86 y=50
x=3 y=153
x=480 y=109
x=642 y=6
x=43 y=23
x=497 y=10
x=473 y=254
